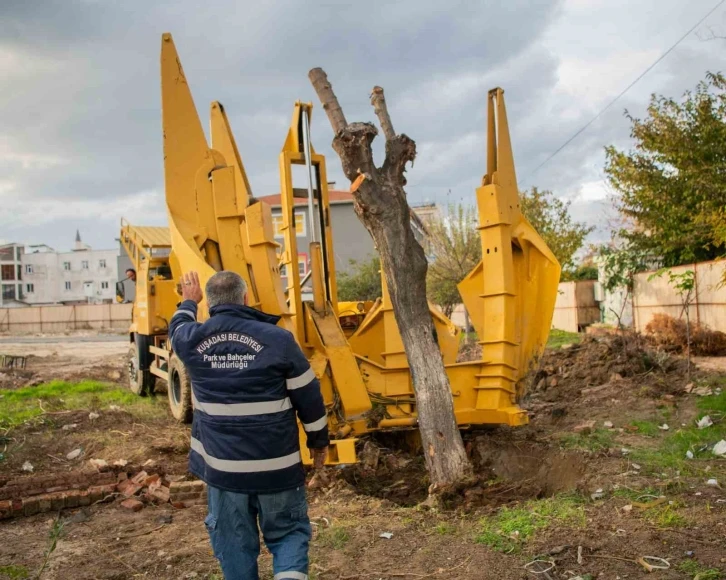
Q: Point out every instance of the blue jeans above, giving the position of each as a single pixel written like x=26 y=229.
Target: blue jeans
x=232 y=524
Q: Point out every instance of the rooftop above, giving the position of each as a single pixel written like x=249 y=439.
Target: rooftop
x=334 y=195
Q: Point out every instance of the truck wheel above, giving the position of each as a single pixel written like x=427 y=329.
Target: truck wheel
x=180 y=391
x=141 y=381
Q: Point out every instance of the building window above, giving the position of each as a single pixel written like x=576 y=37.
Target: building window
x=102 y=263
x=67 y=266
x=300 y=225
x=68 y=285
x=302 y=267
x=19 y=253
x=20 y=272
x=84 y=264
x=8 y=272
x=29 y=288
x=9 y=292
x=7 y=254
x=28 y=268
x=104 y=285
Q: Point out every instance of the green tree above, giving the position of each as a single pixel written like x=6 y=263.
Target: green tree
x=362 y=281
x=550 y=216
x=673 y=183
x=454 y=243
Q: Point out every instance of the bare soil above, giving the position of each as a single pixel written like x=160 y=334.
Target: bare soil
x=600 y=380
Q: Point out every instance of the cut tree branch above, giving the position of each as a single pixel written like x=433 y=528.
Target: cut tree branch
x=378 y=100
x=330 y=103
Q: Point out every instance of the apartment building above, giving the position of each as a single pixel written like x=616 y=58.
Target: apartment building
x=351 y=240
x=81 y=275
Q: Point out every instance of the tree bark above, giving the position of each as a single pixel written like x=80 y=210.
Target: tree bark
x=381 y=205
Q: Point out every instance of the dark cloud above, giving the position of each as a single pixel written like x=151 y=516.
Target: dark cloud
x=80 y=127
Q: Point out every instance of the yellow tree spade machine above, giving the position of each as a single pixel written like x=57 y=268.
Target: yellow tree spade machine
x=215 y=224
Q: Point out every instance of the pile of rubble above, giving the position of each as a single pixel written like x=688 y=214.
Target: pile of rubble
x=144 y=488
x=30 y=495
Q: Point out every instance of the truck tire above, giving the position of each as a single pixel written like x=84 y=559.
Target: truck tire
x=180 y=391
x=141 y=381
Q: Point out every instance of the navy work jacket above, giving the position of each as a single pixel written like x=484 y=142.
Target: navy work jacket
x=249 y=382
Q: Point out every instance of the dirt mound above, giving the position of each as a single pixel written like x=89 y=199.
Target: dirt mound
x=626 y=359
x=671 y=334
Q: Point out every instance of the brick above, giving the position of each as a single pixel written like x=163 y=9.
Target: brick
x=44 y=503
x=73 y=498
x=17 y=507
x=198 y=485
x=96 y=493
x=160 y=494
x=105 y=477
x=152 y=479
x=180 y=486
x=132 y=504
x=84 y=498
x=122 y=476
x=140 y=477
x=186 y=496
x=30 y=506
x=6 y=509
x=57 y=501
x=128 y=488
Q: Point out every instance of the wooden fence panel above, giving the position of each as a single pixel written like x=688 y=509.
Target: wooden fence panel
x=657 y=296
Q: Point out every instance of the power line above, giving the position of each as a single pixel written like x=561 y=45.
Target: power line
x=630 y=86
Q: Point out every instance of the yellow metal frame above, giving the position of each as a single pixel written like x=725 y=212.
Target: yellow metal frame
x=511 y=293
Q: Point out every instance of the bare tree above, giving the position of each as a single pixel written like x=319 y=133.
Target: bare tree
x=381 y=205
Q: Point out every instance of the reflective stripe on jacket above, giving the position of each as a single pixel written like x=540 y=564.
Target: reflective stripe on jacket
x=249 y=381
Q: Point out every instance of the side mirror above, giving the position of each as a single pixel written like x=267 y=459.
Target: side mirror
x=120 y=292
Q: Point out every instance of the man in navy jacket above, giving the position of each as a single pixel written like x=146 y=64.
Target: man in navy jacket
x=250 y=381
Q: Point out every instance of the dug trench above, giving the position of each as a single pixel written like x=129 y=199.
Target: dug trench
x=590 y=486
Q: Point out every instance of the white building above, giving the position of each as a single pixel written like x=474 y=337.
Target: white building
x=81 y=275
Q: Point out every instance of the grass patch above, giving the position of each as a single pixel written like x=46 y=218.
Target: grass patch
x=444 y=529
x=334 y=538
x=559 y=338
x=593 y=442
x=13 y=572
x=646 y=428
x=642 y=495
x=21 y=405
x=671 y=453
x=665 y=516
x=695 y=570
x=509 y=529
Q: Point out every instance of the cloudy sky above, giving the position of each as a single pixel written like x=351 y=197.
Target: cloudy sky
x=80 y=128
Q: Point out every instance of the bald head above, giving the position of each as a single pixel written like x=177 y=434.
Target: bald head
x=226 y=288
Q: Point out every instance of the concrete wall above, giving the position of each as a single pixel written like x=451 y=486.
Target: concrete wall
x=658 y=296
x=575 y=307
x=62 y=318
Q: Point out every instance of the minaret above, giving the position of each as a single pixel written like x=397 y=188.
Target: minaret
x=79 y=243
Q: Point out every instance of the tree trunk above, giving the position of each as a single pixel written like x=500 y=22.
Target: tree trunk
x=381 y=205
